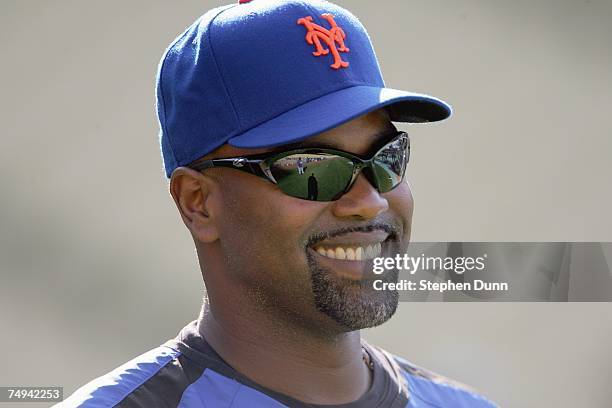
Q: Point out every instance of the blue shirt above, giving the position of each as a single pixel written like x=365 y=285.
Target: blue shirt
x=187 y=373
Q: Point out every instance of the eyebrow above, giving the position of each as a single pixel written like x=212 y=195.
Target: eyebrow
x=379 y=138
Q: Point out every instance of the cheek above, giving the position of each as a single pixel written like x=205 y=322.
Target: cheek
x=401 y=202
x=401 y=199
x=261 y=225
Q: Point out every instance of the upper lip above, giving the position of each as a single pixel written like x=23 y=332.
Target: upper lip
x=354 y=239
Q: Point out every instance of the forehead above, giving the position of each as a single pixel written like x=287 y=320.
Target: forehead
x=355 y=136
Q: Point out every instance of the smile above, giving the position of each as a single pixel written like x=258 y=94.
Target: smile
x=351 y=253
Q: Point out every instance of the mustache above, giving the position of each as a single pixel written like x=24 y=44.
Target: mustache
x=394 y=230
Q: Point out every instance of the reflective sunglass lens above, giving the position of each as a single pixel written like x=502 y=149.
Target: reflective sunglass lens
x=316 y=177
x=326 y=176
x=389 y=165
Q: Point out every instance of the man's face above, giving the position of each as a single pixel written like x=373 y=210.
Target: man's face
x=271 y=245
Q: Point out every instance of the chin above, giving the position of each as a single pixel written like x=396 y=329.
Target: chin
x=352 y=303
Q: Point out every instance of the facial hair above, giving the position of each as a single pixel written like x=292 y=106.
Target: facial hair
x=353 y=304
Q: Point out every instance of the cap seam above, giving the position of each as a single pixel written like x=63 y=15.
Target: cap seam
x=163 y=124
x=219 y=71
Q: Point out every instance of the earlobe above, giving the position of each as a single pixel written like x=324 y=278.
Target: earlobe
x=192 y=194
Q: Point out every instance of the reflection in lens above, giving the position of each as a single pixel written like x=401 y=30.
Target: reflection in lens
x=317 y=177
x=389 y=165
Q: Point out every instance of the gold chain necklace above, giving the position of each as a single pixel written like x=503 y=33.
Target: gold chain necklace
x=367 y=359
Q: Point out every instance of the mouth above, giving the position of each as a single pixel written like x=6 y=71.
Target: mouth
x=350 y=255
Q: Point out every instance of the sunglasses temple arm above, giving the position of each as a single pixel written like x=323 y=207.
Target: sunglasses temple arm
x=202 y=165
x=263 y=170
x=256 y=167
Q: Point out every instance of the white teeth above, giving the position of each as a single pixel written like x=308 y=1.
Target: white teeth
x=340 y=254
x=369 y=252
x=351 y=253
x=359 y=254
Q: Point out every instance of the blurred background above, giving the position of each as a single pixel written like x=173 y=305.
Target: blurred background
x=96 y=266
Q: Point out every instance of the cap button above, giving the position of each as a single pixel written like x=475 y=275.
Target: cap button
x=244 y=1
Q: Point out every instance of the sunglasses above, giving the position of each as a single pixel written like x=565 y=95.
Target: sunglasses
x=321 y=174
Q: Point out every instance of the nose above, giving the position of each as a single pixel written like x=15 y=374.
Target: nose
x=362 y=201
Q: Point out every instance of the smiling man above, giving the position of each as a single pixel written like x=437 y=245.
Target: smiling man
x=277 y=135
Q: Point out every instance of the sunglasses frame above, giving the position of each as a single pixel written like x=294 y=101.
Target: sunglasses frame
x=259 y=165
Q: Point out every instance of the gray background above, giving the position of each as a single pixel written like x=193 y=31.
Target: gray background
x=96 y=266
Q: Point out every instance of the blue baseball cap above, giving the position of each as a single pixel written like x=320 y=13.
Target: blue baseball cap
x=262 y=73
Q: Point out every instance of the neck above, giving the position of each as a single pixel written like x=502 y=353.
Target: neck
x=311 y=367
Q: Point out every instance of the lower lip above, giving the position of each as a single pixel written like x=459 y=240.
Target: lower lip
x=355 y=270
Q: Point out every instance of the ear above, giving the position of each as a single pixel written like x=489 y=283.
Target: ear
x=191 y=191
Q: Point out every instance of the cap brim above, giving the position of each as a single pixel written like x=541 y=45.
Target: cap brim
x=334 y=109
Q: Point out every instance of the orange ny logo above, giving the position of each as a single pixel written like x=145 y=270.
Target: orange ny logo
x=335 y=35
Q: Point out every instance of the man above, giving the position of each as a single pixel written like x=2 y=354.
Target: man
x=246 y=90
x=313 y=188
